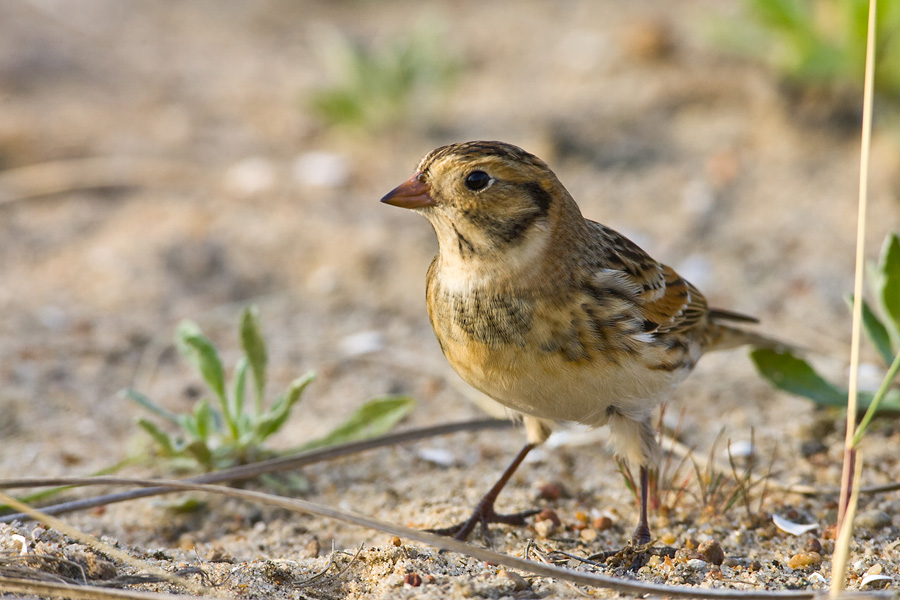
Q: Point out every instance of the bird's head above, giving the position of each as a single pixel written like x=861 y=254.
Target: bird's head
x=487 y=201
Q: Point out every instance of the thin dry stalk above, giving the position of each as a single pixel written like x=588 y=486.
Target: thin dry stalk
x=842 y=544
x=849 y=493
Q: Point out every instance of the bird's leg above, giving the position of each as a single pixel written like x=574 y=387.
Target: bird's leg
x=637 y=553
x=641 y=535
x=484 y=511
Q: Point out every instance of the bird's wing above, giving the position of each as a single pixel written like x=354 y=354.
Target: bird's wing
x=665 y=300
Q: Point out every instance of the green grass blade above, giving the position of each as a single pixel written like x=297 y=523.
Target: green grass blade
x=235 y=408
x=255 y=349
x=794 y=375
x=162 y=439
x=375 y=417
x=877 y=400
x=150 y=405
x=876 y=331
x=205 y=420
x=275 y=417
x=197 y=348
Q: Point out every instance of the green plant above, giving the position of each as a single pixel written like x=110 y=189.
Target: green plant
x=822 y=43
x=376 y=86
x=788 y=372
x=225 y=431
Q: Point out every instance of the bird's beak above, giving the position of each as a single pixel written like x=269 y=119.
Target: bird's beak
x=412 y=193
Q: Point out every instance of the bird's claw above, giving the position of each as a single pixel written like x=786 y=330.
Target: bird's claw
x=483 y=516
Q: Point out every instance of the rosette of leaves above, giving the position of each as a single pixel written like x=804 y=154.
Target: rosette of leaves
x=225 y=428
x=881 y=323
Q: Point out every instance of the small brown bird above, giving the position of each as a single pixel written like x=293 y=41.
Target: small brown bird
x=552 y=315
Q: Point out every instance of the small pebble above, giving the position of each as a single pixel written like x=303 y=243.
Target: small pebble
x=712 y=551
x=695 y=564
x=816 y=578
x=549 y=514
x=438 y=456
x=813 y=545
x=588 y=534
x=805 y=560
x=602 y=523
x=412 y=579
x=545 y=528
x=551 y=491
x=251 y=176
x=873 y=520
x=519 y=582
x=668 y=539
x=648 y=40
x=396 y=541
x=361 y=343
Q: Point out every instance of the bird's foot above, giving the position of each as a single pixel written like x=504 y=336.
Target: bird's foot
x=634 y=555
x=483 y=515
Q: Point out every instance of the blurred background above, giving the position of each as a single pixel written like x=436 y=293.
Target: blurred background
x=162 y=161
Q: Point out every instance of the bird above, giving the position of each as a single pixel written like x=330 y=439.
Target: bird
x=556 y=317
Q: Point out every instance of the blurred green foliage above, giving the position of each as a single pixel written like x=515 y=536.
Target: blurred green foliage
x=225 y=431
x=881 y=324
x=822 y=43
x=374 y=86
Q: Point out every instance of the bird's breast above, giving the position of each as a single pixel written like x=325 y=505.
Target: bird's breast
x=561 y=355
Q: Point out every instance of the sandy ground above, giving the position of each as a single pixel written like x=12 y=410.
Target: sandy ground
x=195 y=117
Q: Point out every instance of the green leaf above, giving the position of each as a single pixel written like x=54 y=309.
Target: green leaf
x=276 y=416
x=794 y=375
x=236 y=405
x=186 y=504
x=876 y=331
x=255 y=348
x=159 y=436
x=188 y=424
x=375 y=417
x=150 y=405
x=201 y=453
x=203 y=417
x=887 y=284
x=197 y=348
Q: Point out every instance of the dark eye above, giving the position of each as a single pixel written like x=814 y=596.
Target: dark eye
x=477 y=180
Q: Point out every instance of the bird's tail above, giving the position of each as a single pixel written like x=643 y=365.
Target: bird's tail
x=723 y=337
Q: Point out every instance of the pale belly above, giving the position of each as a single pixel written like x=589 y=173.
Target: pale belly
x=546 y=385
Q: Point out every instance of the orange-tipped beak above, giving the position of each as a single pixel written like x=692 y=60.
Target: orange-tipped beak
x=412 y=193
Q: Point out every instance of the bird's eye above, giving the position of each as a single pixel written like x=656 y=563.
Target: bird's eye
x=477 y=180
